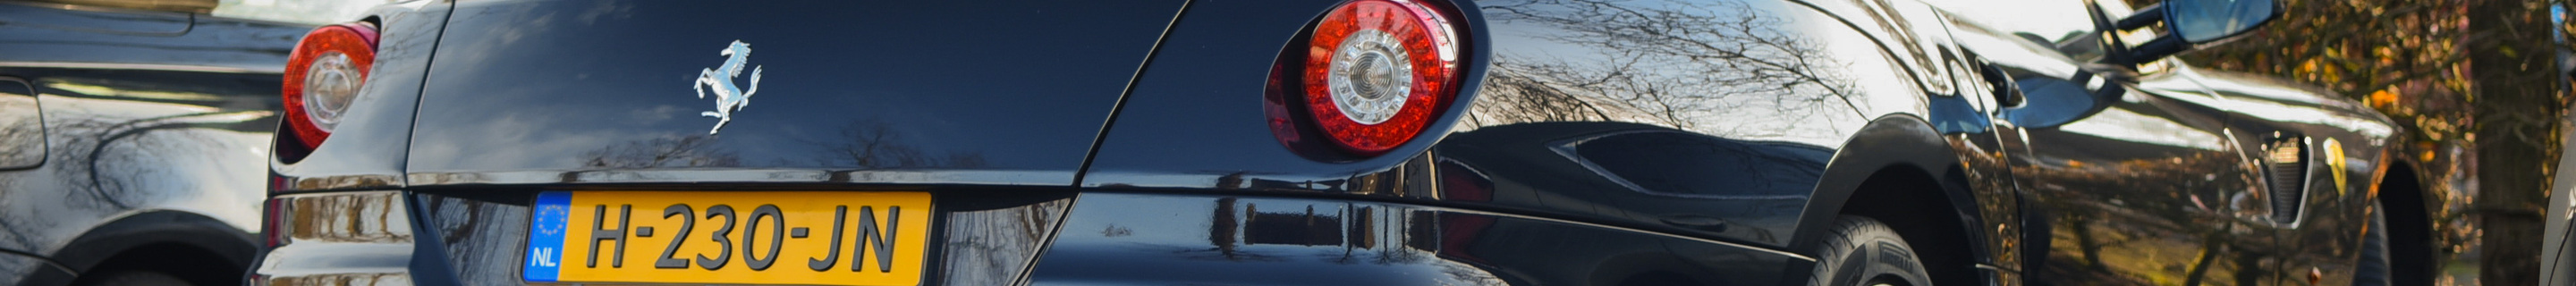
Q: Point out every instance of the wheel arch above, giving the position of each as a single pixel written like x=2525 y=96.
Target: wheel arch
x=160 y=239
x=2401 y=194
x=1888 y=171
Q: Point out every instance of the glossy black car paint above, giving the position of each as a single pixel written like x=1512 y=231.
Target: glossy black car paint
x=1009 y=93
x=1227 y=149
x=134 y=140
x=1556 y=165
x=2178 y=169
x=1216 y=239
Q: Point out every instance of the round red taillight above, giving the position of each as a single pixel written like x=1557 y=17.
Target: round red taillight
x=1377 y=72
x=323 y=75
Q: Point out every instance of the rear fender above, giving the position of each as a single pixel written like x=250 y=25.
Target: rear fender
x=1893 y=143
x=367 y=149
x=163 y=227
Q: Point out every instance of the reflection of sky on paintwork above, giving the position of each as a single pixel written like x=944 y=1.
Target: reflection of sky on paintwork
x=1170 y=211
x=104 y=91
x=2051 y=19
x=1153 y=226
x=2170 y=85
x=1160 y=234
x=2042 y=59
x=1821 y=123
x=486 y=109
x=2264 y=107
x=220 y=190
x=40 y=37
x=313 y=12
x=536 y=138
x=2236 y=85
x=539 y=136
x=1517 y=44
x=140 y=165
x=2123 y=125
x=237 y=201
x=1882 y=87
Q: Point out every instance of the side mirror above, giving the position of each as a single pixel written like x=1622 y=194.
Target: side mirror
x=2208 y=21
x=2190 y=23
x=2048 y=102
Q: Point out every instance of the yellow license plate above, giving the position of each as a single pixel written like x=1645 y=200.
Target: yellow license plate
x=806 y=238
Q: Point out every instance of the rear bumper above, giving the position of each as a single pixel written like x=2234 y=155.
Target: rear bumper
x=342 y=238
x=1069 y=238
x=1165 y=239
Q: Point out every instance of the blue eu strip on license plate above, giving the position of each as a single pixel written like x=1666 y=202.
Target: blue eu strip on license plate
x=546 y=236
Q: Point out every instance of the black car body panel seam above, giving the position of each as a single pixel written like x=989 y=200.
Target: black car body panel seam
x=429 y=59
x=1052 y=232
x=428 y=256
x=1112 y=119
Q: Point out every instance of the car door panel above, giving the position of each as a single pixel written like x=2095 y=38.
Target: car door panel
x=2317 y=157
x=2151 y=190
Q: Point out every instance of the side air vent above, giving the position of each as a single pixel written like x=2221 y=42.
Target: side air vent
x=2285 y=164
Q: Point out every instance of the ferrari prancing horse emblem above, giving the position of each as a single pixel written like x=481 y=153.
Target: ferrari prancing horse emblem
x=728 y=97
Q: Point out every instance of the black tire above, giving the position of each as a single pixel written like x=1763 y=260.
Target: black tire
x=1863 y=252
x=2373 y=269
x=134 y=278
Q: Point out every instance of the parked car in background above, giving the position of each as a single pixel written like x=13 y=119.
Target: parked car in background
x=1360 y=142
x=132 y=135
x=2558 y=256
x=2558 y=246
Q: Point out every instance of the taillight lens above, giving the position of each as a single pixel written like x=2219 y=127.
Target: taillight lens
x=323 y=76
x=1377 y=72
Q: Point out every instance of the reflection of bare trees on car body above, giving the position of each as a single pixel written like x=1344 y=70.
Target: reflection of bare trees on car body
x=1687 y=65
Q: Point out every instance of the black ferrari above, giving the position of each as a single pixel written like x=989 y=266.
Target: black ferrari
x=1342 y=142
